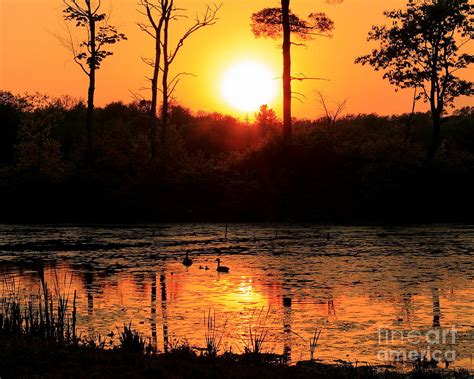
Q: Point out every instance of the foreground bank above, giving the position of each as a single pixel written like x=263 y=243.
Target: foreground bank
x=24 y=357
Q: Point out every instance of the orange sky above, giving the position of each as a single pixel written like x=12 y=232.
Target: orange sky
x=32 y=59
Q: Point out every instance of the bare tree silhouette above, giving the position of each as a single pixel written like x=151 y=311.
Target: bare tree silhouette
x=153 y=28
x=160 y=14
x=90 y=53
x=331 y=115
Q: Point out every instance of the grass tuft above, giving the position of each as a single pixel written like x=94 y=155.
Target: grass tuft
x=258 y=332
x=131 y=341
x=213 y=336
x=44 y=316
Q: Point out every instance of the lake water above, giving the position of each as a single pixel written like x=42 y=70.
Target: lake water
x=350 y=282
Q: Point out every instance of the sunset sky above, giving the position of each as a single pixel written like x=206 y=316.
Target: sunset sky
x=32 y=58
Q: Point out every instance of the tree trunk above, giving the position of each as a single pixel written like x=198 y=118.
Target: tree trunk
x=91 y=90
x=436 y=106
x=154 y=102
x=285 y=7
x=165 y=98
x=410 y=119
x=90 y=114
x=164 y=123
x=436 y=118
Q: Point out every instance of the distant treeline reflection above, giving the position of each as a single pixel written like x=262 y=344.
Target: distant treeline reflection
x=362 y=168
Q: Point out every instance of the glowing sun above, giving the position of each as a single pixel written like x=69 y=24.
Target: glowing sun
x=247 y=85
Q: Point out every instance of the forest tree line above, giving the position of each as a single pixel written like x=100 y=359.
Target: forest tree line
x=358 y=168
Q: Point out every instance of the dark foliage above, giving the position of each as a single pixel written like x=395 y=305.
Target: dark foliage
x=25 y=358
x=100 y=34
x=269 y=23
x=223 y=169
x=422 y=45
x=423 y=49
x=131 y=341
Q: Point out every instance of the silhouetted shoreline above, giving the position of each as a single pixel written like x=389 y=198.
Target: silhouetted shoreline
x=362 y=170
x=23 y=357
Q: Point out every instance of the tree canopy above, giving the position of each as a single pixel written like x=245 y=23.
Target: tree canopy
x=269 y=23
x=93 y=50
x=422 y=48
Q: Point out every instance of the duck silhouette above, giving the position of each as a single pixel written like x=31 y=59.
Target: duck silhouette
x=187 y=261
x=221 y=268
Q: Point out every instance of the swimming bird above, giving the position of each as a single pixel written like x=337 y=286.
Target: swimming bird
x=221 y=268
x=187 y=261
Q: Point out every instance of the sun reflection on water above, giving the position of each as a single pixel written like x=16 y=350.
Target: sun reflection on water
x=348 y=287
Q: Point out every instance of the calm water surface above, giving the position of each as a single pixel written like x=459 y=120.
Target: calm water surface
x=350 y=285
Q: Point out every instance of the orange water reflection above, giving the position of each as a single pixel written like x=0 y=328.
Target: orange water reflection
x=348 y=296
